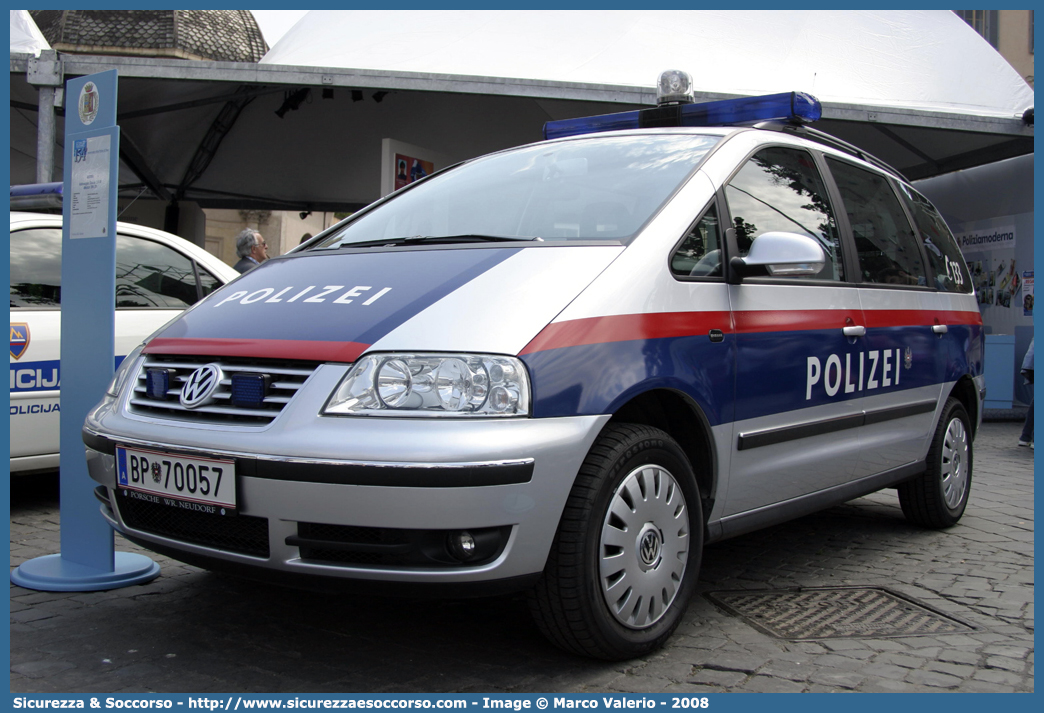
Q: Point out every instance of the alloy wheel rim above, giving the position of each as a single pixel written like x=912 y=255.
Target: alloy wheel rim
x=643 y=547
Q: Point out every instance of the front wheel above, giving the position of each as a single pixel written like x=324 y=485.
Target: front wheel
x=938 y=497
x=626 y=556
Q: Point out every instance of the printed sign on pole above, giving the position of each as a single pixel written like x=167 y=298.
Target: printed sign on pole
x=88 y=560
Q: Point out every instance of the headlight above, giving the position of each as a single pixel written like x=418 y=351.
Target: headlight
x=124 y=370
x=432 y=385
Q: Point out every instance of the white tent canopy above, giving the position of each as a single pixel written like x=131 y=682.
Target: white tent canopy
x=304 y=129
x=929 y=60
x=25 y=35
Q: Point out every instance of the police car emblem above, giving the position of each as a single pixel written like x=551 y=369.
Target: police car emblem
x=201 y=385
x=908 y=358
x=156 y=473
x=19 y=339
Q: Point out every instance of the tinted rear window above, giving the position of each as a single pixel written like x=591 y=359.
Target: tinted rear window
x=951 y=274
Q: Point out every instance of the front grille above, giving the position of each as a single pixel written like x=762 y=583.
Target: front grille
x=286 y=377
x=244 y=534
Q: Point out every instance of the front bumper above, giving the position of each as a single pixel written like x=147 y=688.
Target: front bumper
x=513 y=475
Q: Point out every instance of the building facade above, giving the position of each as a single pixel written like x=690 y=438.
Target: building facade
x=1010 y=32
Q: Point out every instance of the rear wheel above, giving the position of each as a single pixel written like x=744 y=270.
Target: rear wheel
x=938 y=497
x=626 y=556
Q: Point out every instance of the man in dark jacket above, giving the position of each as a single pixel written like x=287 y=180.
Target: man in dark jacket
x=251 y=249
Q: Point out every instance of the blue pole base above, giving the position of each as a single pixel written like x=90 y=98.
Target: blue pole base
x=53 y=574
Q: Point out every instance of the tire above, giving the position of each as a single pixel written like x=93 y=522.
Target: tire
x=625 y=559
x=937 y=498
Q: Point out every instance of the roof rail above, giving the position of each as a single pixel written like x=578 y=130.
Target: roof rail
x=832 y=141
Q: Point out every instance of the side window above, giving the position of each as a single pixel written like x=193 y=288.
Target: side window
x=699 y=254
x=885 y=243
x=36 y=268
x=150 y=275
x=951 y=274
x=781 y=189
x=208 y=282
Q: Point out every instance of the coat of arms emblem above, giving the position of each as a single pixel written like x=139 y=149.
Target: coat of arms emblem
x=88 y=103
x=19 y=339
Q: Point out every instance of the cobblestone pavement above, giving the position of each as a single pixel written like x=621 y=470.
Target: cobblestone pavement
x=193 y=631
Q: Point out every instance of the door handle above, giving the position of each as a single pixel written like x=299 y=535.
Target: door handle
x=940 y=328
x=854 y=331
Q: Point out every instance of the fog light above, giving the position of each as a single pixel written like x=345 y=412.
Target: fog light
x=462 y=545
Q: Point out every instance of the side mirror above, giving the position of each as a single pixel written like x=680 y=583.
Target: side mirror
x=781 y=255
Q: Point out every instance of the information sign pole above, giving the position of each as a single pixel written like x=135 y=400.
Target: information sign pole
x=88 y=560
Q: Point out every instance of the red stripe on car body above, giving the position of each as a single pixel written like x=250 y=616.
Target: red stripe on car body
x=662 y=325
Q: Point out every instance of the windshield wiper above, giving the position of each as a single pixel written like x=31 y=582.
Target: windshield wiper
x=436 y=240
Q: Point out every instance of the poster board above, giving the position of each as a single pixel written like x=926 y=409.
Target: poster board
x=403 y=163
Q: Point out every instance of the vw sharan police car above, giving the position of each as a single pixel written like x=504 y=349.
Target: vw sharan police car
x=564 y=367
x=158 y=275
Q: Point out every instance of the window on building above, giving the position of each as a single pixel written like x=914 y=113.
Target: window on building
x=984 y=22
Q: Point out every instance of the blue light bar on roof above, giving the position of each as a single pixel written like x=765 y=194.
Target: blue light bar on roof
x=37 y=196
x=37 y=189
x=791 y=107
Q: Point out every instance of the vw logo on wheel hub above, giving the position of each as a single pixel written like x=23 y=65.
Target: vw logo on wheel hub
x=650 y=545
x=201 y=385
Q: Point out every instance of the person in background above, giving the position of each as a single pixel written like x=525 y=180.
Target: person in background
x=1026 y=439
x=251 y=249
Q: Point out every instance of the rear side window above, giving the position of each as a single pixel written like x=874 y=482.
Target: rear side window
x=885 y=242
x=781 y=189
x=149 y=275
x=951 y=274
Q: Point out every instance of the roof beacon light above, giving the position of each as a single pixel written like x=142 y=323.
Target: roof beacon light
x=674 y=87
x=789 y=107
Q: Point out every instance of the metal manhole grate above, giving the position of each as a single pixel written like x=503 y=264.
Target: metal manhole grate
x=836 y=613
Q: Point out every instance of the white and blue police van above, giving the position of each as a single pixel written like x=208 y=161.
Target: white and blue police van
x=565 y=368
x=158 y=275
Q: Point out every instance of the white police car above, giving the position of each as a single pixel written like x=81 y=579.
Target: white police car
x=564 y=367
x=158 y=275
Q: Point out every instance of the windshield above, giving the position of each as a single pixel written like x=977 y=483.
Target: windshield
x=601 y=188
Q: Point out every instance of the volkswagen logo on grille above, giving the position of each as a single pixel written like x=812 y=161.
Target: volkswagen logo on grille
x=201 y=385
